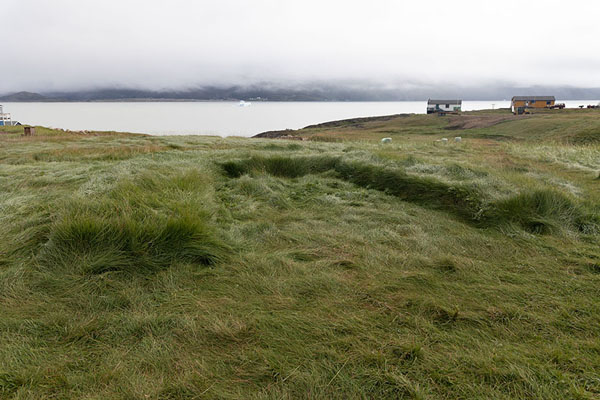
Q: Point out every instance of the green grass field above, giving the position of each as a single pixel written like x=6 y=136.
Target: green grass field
x=142 y=267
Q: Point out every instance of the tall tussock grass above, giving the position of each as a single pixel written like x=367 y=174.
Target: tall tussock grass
x=536 y=211
x=144 y=224
x=100 y=244
x=542 y=211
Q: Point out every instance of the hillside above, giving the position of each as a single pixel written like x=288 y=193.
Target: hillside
x=26 y=97
x=182 y=267
x=565 y=126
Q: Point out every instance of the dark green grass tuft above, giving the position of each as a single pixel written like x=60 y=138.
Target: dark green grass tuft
x=143 y=225
x=9 y=384
x=407 y=354
x=111 y=244
x=591 y=136
x=541 y=211
x=445 y=265
x=282 y=166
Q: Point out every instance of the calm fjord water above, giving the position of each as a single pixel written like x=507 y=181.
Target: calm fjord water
x=212 y=118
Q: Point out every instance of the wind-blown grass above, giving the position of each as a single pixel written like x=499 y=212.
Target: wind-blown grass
x=216 y=268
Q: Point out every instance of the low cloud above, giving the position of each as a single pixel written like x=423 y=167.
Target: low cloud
x=70 y=44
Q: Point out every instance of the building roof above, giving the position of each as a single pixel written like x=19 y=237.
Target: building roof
x=537 y=98
x=444 y=101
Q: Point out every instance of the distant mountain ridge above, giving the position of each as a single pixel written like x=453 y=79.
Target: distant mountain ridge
x=306 y=92
x=26 y=97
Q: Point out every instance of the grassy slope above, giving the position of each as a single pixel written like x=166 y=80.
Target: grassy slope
x=198 y=267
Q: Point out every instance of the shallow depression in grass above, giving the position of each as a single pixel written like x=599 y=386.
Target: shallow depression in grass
x=535 y=210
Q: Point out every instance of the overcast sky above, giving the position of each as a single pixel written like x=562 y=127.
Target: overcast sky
x=76 y=44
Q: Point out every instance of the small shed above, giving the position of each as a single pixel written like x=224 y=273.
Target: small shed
x=437 y=106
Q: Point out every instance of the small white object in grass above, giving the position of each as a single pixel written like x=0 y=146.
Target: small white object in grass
x=444 y=140
x=386 y=140
x=458 y=139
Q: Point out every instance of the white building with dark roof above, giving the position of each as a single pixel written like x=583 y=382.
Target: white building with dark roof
x=440 y=106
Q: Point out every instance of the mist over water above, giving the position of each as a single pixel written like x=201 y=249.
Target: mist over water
x=215 y=118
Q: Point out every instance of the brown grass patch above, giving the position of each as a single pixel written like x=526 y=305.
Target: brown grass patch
x=98 y=153
x=478 y=121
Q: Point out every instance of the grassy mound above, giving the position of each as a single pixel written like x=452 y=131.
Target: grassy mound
x=108 y=244
x=141 y=225
x=536 y=211
x=542 y=211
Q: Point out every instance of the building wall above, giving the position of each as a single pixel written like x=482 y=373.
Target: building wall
x=537 y=104
x=442 y=107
